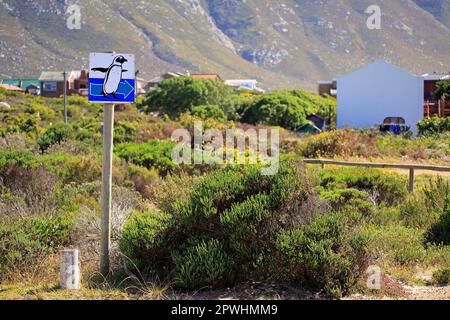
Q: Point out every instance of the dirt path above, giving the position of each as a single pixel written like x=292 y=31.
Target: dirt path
x=393 y=289
x=428 y=293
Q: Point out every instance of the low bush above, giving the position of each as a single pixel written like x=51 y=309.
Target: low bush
x=395 y=245
x=442 y=277
x=26 y=241
x=45 y=113
x=329 y=254
x=369 y=144
x=439 y=233
x=424 y=209
x=388 y=188
x=202 y=264
x=434 y=125
x=145 y=241
x=75 y=168
x=125 y=131
x=55 y=134
x=143 y=179
x=153 y=154
x=341 y=199
x=225 y=229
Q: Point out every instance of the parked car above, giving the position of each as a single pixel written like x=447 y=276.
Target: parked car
x=395 y=125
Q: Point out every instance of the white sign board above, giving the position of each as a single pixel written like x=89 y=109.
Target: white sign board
x=111 y=78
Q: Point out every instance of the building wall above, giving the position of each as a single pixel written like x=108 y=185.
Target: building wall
x=380 y=90
x=325 y=89
x=53 y=94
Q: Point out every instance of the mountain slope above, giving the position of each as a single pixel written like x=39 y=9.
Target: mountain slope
x=286 y=44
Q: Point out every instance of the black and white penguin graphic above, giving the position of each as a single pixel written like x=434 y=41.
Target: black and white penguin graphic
x=113 y=76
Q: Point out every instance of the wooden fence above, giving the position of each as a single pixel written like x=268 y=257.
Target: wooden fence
x=440 y=108
x=410 y=167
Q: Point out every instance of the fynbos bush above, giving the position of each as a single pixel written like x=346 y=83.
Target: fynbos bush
x=227 y=230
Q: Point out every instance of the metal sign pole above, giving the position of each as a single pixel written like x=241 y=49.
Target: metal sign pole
x=108 y=129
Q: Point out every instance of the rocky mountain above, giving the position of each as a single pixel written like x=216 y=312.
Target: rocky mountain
x=287 y=43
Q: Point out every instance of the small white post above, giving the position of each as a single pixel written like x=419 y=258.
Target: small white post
x=70 y=277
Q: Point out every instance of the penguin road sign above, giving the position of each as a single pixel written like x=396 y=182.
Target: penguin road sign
x=111 y=78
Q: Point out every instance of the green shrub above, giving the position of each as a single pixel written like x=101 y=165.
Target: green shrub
x=341 y=199
x=153 y=154
x=209 y=111
x=143 y=179
x=45 y=113
x=22 y=158
x=214 y=209
x=426 y=207
x=202 y=264
x=327 y=254
x=125 y=131
x=75 y=168
x=243 y=225
x=442 y=277
x=24 y=242
x=434 y=125
x=414 y=213
x=214 y=194
x=389 y=188
x=144 y=240
x=17 y=249
x=439 y=233
x=55 y=134
x=396 y=245
x=225 y=230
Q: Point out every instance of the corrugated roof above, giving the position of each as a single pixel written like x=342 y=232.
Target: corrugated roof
x=436 y=77
x=52 y=76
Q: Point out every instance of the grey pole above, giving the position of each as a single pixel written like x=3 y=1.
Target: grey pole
x=65 y=96
x=108 y=129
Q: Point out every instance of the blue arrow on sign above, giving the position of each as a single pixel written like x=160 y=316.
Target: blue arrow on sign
x=125 y=92
x=125 y=89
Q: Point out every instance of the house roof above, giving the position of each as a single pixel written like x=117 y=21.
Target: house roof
x=436 y=77
x=206 y=76
x=11 y=87
x=22 y=83
x=51 y=76
x=377 y=64
x=317 y=116
x=326 y=81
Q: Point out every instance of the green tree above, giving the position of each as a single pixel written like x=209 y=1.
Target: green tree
x=179 y=95
x=209 y=112
x=443 y=90
x=277 y=109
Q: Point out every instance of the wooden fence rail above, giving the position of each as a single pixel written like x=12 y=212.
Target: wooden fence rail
x=410 y=167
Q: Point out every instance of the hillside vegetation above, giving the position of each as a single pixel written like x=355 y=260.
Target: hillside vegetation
x=183 y=228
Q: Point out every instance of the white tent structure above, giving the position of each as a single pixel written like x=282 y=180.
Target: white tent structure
x=379 y=91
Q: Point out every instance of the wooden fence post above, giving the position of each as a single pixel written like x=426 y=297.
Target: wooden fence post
x=108 y=130
x=411 y=180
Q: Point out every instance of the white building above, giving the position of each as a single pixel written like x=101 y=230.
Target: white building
x=244 y=84
x=368 y=96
